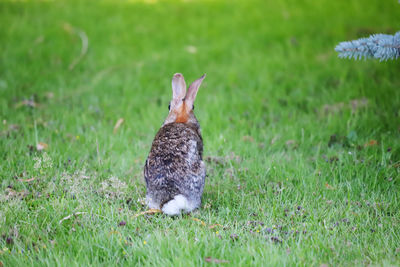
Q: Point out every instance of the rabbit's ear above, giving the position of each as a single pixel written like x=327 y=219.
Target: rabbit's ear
x=192 y=91
x=178 y=87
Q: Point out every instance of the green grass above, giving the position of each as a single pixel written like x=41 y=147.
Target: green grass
x=286 y=126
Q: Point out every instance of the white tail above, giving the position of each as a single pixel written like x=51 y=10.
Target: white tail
x=174 y=206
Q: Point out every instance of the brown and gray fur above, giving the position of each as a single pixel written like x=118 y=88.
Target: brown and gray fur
x=174 y=170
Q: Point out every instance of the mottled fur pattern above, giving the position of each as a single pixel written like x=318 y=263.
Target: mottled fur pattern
x=174 y=165
x=174 y=170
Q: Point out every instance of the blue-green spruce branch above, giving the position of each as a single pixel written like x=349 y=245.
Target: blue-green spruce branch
x=379 y=46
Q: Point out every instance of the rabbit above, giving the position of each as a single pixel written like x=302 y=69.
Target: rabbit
x=174 y=170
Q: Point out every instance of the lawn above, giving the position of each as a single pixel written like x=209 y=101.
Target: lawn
x=302 y=148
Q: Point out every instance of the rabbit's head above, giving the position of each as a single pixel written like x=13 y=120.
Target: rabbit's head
x=181 y=106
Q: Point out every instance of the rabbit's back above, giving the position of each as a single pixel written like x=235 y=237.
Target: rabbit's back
x=174 y=165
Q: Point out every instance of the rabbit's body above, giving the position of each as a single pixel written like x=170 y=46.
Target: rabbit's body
x=174 y=170
x=175 y=167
